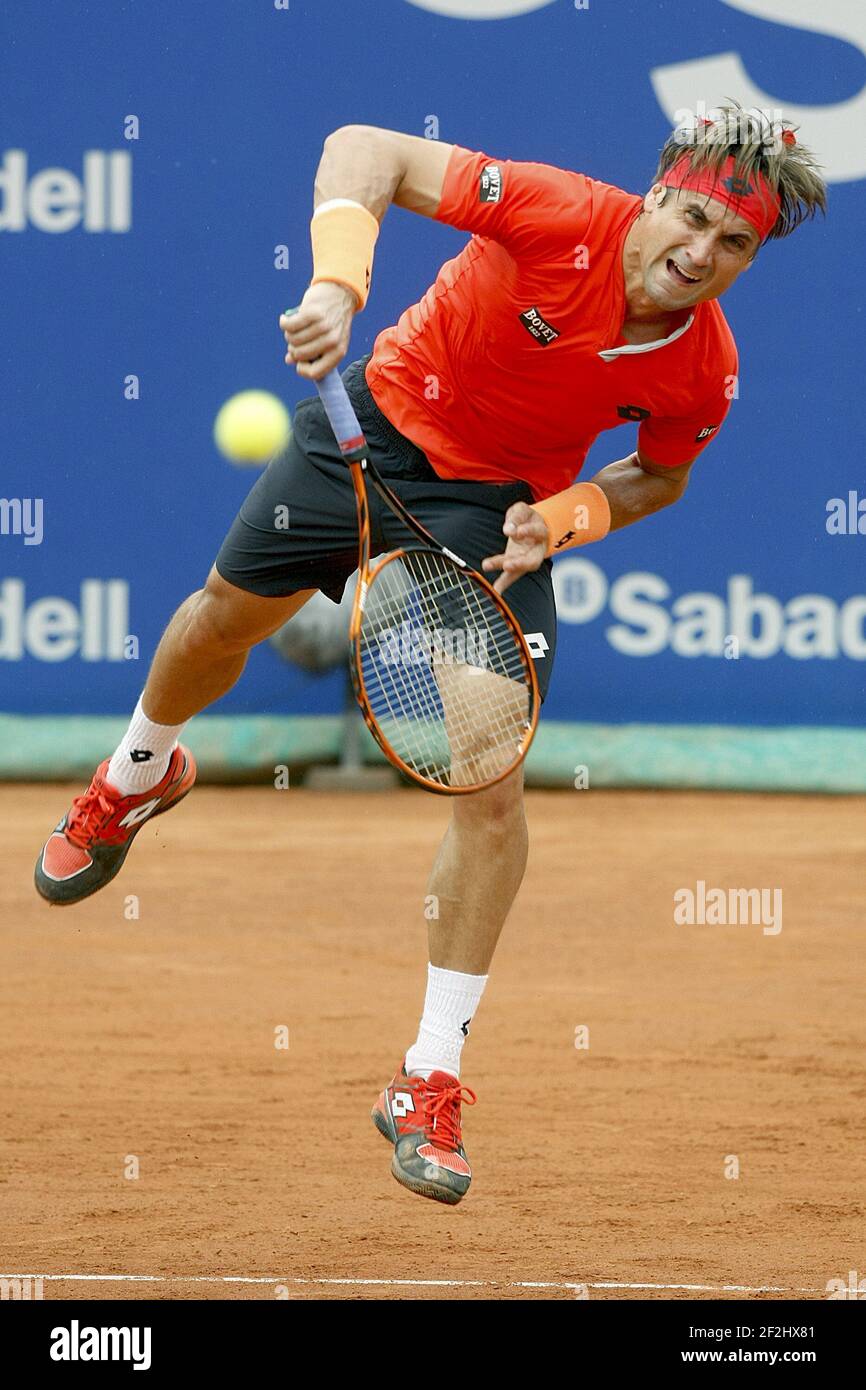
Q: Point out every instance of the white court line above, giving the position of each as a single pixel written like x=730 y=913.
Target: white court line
x=403 y=1283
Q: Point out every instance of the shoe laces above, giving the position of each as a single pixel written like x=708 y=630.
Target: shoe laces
x=88 y=814
x=442 y=1113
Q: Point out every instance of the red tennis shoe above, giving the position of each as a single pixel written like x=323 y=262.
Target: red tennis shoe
x=422 y=1120
x=91 y=842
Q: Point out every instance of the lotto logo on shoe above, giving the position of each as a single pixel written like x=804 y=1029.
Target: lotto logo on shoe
x=402 y=1104
x=57 y=200
x=140 y=813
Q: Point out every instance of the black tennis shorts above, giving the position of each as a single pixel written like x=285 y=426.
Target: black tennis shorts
x=298 y=527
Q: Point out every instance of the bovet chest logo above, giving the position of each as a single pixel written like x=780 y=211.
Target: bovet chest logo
x=540 y=329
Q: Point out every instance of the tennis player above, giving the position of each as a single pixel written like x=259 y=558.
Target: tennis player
x=574 y=308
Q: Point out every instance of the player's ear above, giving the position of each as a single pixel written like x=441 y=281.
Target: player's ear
x=655 y=197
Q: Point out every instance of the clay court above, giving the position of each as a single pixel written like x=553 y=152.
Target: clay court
x=599 y=1171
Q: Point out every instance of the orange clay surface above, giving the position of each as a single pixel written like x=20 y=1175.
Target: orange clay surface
x=150 y=1039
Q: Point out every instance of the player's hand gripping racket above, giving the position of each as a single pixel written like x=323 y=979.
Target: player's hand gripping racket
x=441 y=670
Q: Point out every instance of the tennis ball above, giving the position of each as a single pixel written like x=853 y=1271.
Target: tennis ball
x=251 y=427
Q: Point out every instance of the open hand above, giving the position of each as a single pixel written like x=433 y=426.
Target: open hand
x=528 y=542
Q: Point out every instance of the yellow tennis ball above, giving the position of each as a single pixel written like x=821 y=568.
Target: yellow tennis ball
x=251 y=427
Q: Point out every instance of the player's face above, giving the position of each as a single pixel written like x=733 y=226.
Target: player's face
x=692 y=248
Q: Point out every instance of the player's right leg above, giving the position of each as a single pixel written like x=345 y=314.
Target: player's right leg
x=200 y=656
x=296 y=533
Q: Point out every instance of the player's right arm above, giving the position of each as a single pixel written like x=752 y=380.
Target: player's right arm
x=378 y=167
x=374 y=168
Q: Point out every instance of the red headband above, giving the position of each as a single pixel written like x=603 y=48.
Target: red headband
x=751 y=197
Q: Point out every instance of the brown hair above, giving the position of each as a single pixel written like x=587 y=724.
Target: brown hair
x=759 y=146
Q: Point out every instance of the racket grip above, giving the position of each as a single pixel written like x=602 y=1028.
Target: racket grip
x=339 y=410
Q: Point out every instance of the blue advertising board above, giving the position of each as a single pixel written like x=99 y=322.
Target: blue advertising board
x=156 y=174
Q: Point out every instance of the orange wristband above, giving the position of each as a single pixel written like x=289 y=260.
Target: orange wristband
x=344 y=234
x=574 y=517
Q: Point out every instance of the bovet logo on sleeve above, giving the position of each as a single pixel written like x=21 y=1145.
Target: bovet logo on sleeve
x=490 y=184
x=540 y=329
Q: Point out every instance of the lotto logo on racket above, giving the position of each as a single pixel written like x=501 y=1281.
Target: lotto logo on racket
x=411 y=645
x=490 y=184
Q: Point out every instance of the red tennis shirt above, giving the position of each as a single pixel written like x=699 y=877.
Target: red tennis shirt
x=513 y=361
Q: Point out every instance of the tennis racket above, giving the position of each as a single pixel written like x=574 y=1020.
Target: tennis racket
x=440 y=667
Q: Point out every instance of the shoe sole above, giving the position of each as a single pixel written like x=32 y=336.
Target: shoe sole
x=116 y=868
x=447 y=1196
x=425 y=1189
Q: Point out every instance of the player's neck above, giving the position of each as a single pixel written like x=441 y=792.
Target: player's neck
x=642 y=316
x=651 y=324
x=643 y=320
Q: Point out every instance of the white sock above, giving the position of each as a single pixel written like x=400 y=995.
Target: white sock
x=142 y=757
x=449 y=1005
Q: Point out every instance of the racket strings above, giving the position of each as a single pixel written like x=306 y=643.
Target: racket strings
x=444 y=672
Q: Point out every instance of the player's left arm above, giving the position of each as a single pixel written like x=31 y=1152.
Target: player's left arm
x=632 y=488
x=636 y=487
x=651 y=478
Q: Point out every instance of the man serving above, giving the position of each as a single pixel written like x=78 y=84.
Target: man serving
x=574 y=308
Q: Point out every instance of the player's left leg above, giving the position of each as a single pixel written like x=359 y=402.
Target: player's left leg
x=474 y=881
x=475 y=878
x=473 y=884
